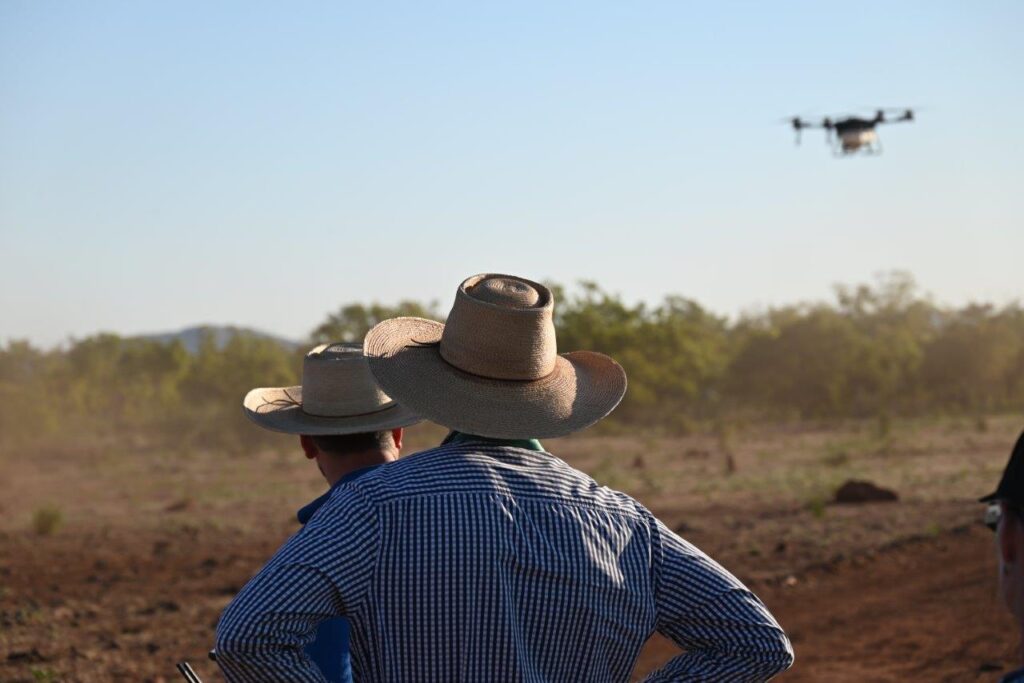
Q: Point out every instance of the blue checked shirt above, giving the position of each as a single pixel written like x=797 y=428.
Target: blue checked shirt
x=481 y=562
x=329 y=648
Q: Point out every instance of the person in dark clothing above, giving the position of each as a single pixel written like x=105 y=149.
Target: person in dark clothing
x=1006 y=517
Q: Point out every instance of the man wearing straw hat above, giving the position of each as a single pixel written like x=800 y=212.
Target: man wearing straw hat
x=349 y=427
x=486 y=559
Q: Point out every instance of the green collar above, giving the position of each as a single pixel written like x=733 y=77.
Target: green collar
x=460 y=438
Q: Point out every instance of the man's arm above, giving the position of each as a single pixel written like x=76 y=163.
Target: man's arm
x=322 y=571
x=728 y=634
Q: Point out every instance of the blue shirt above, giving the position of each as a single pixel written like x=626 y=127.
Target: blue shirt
x=481 y=562
x=329 y=649
x=1013 y=677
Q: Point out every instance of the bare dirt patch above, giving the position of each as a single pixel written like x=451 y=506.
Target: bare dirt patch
x=925 y=610
x=153 y=545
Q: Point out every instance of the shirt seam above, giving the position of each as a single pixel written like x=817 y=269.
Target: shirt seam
x=624 y=510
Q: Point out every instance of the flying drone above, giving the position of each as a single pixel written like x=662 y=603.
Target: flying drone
x=853 y=134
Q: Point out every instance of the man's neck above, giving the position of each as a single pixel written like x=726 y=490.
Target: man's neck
x=334 y=467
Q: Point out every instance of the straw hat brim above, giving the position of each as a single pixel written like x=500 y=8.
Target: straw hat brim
x=275 y=408
x=405 y=358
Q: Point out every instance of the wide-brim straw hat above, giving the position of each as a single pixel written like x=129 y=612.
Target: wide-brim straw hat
x=338 y=395
x=493 y=368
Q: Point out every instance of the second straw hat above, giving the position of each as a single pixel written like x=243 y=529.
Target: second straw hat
x=338 y=395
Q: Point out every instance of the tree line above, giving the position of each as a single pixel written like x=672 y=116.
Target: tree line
x=877 y=350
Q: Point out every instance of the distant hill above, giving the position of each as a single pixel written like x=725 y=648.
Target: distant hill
x=222 y=334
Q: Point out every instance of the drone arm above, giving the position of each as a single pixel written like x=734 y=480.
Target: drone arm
x=799 y=125
x=906 y=117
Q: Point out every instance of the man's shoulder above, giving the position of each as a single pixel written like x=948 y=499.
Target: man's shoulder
x=447 y=465
x=484 y=468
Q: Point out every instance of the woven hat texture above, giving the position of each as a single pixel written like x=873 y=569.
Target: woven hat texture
x=493 y=368
x=338 y=395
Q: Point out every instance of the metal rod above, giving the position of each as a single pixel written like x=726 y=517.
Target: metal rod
x=188 y=673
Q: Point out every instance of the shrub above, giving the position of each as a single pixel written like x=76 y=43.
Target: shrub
x=47 y=520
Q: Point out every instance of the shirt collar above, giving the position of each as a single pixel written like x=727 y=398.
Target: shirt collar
x=461 y=438
x=307 y=511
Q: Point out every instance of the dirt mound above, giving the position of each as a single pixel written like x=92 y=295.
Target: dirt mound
x=857 y=491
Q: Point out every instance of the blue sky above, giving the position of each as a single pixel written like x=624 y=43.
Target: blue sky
x=165 y=164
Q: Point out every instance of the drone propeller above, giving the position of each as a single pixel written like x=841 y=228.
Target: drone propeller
x=797 y=124
x=891 y=109
x=901 y=113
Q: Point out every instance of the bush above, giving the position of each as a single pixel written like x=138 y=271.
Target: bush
x=46 y=520
x=878 y=351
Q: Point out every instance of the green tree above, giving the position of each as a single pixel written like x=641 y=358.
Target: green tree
x=800 y=360
x=26 y=405
x=674 y=355
x=974 y=361
x=894 y=324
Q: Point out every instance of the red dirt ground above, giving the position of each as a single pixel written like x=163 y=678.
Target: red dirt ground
x=154 y=544
x=126 y=607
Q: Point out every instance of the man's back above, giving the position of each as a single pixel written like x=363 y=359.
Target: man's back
x=506 y=564
x=475 y=562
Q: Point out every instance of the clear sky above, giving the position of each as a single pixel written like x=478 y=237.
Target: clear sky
x=170 y=163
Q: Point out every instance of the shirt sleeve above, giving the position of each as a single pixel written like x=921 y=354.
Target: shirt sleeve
x=727 y=632
x=323 y=571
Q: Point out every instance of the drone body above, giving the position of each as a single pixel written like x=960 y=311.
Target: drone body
x=852 y=134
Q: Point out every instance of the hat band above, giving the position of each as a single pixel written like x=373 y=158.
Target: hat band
x=437 y=345
x=496 y=357
x=335 y=415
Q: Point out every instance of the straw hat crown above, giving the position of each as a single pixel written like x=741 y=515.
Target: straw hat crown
x=337 y=382
x=501 y=327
